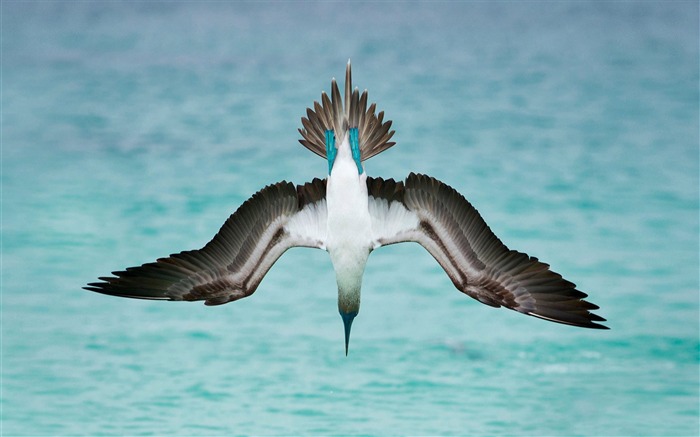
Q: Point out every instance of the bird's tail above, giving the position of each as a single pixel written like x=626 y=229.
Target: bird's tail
x=337 y=115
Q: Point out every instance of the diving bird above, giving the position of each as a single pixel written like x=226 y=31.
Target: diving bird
x=350 y=214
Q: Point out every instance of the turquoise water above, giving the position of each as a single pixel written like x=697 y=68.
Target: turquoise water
x=131 y=131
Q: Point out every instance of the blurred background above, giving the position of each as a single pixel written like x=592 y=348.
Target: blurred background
x=131 y=130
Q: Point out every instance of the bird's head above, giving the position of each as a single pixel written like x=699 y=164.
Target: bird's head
x=347 y=317
x=348 y=306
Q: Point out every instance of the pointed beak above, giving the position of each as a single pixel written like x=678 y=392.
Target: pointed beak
x=347 y=322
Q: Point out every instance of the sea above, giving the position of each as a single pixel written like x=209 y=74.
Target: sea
x=132 y=130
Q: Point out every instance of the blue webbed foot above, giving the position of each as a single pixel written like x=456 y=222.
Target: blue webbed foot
x=331 y=151
x=355 y=148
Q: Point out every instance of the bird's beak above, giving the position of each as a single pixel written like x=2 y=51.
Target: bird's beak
x=347 y=322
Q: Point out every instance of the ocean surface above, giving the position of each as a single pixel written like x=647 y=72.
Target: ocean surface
x=131 y=130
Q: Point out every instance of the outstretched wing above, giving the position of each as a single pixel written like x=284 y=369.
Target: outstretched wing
x=234 y=262
x=433 y=214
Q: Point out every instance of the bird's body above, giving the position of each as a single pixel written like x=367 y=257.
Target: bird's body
x=349 y=227
x=349 y=215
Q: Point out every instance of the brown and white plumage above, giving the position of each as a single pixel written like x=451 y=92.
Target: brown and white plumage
x=233 y=263
x=349 y=215
x=421 y=209
x=431 y=213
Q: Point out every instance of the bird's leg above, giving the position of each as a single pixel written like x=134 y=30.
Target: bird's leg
x=331 y=151
x=355 y=148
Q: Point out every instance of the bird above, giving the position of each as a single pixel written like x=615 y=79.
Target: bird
x=350 y=214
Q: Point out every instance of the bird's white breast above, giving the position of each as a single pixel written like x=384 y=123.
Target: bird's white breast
x=349 y=233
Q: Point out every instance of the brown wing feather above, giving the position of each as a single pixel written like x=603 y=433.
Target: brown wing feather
x=234 y=262
x=476 y=261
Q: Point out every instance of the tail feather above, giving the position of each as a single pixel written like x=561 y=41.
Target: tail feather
x=339 y=116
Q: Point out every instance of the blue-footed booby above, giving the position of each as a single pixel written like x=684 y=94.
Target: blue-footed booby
x=350 y=214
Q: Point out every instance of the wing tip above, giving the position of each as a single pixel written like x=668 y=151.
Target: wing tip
x=110 y=289
x=582 y=321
